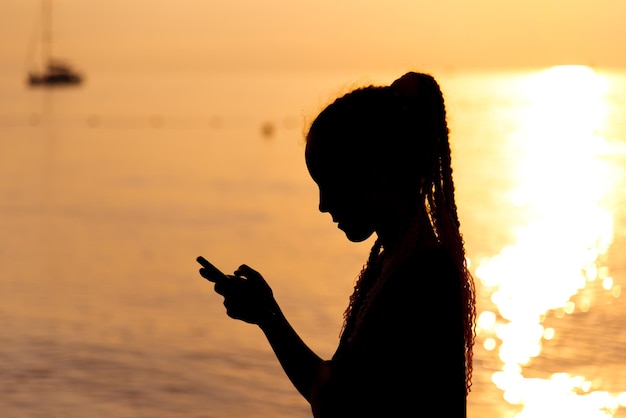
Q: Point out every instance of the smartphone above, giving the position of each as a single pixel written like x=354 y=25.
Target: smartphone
x=213 y=273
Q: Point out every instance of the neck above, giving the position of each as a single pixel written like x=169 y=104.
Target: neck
x=416 y=227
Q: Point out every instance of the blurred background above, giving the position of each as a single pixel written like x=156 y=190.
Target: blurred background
x=136 y=135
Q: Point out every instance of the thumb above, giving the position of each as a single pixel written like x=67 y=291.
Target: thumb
x=249 y=273
x=254 y=277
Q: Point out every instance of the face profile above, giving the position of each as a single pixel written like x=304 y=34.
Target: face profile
x=342 y=193
x=352 y=218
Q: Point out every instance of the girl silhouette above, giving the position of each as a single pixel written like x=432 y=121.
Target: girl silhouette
x=381 y=159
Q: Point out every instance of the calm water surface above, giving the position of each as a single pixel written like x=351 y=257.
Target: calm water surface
x=109 y=192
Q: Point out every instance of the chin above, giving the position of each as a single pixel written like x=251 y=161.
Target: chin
x=358 y=236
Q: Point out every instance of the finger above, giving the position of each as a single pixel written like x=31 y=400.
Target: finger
x=254 y=278
x=249 y=273
x=220 y=288
x=210 y=276
x=229 y=285
x=211 y=272
x=233 y=314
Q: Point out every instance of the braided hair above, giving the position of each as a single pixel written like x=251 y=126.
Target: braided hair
x=401 y=129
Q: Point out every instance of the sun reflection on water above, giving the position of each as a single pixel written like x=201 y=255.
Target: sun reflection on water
x=563 y=184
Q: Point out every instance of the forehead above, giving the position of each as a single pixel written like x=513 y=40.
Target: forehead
x=328 y=157
x=335 y=175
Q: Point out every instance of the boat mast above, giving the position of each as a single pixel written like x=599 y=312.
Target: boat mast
x=46 y=35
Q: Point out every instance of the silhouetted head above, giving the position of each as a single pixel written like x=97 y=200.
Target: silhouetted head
x=374 y=147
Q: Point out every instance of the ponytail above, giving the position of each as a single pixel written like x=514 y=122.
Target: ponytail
x=423 y=95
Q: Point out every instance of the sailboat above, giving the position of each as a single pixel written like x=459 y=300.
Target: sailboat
x=54 y=72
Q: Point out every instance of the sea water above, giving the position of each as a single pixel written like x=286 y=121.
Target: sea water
x=109 y=191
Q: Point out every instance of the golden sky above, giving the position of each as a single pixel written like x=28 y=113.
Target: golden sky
x=323 y=34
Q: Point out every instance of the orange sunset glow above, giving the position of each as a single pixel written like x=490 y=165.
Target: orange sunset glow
x=181 y=134
x=284 y=35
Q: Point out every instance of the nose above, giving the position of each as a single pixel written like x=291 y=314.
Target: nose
x=323 y=205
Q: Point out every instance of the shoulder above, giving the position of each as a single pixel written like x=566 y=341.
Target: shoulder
x=426 y=290
x=428 y=269
x=419 y=285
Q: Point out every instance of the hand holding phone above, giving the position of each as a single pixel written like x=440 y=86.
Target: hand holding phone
x=210 y=272
x=247 y=296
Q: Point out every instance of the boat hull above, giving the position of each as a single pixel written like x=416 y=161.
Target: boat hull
x=54 y=79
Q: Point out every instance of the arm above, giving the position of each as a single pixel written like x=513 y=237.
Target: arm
x=248 y=297
x=298 y=361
